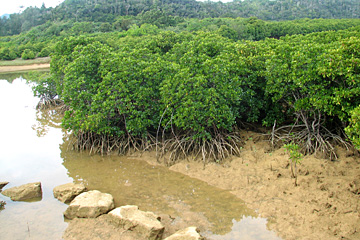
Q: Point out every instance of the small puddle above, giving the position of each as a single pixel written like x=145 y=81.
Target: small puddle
x=35 y=148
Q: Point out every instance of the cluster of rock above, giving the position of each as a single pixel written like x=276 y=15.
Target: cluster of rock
x=91 y=204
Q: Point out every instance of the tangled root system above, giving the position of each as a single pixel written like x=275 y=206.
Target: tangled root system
x=168 y=150
x=216 y=149
x=54 y=104
x=310 y=134
x=103 y=144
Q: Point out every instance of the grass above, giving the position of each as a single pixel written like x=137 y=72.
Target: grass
x=22 y=62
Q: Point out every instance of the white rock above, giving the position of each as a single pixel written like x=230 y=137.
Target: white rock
x=90 y=205
x=67 y=192
x=145 y=224
x=190 y=233
x=24 y=192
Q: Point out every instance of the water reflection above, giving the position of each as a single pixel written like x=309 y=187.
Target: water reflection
x=25 y=157
x=35 y=148
x=46 y=120
x=155 y=188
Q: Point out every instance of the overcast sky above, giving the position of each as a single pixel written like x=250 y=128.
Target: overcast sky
x=13 y=6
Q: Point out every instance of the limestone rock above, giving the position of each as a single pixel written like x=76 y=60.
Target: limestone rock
x=145 y=224
x=67 y=192
x=90 y=205
x=3 y=184
x=190 y=233
x=24 y=192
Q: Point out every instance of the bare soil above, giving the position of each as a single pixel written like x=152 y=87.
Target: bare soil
x=324 y=205
x=24 y=67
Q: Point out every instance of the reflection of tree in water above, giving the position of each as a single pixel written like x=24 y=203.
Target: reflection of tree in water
x=10 y=77
x=46 y=119
x=154 y=188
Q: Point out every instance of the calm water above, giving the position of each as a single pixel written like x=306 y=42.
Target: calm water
x=33 y=147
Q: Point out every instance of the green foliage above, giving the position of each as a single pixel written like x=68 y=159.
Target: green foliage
x=127 y=84
x=128 y=97
x=158 y=18
x=200 y=96
x=8 y=54
x=171 y=13
x=315 y=72
x=81 y=82
x=105 y=27
x=353 y=130
x=145 y=29
x=62 y=56
x=45 y=52
x=295 y=158
x=214 y=84
x=294 y=152
x=28 y=54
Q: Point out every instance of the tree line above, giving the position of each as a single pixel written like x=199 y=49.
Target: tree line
x=39 y=41
x=173 y=12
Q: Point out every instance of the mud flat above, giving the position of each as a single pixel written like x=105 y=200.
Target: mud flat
x=324 y=205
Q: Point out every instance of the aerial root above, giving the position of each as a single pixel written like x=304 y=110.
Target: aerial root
x=104 y=145
x=53 y=104
x=215 y=149
x=170 y=149
x=310 y=134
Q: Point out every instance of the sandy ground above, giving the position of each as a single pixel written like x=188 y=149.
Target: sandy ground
x=324 y=205
x=24 y=67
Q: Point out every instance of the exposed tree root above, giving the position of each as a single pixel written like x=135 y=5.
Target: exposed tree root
x=218 y=148
x=54 y=104
x=102 y=144
x=310 y=134
x=170 y=149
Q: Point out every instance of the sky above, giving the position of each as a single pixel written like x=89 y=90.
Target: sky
x=13 y=6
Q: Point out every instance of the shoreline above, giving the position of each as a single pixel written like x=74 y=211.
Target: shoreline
x=324 y=205
x=8 y=69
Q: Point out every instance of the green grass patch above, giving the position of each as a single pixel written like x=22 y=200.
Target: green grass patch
x=22 y=62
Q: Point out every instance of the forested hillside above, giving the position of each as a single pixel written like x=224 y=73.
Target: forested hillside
x=172 y=12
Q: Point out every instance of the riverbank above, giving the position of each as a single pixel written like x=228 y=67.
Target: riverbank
x=24 y=65
x=324 y=205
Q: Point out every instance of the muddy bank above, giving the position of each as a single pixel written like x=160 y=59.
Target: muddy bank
x=325 y=205
x=4 y=69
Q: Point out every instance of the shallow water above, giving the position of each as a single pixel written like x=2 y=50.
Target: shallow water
x=35 y=148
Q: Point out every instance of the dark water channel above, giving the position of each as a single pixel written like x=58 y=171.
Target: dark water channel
x=33 y=147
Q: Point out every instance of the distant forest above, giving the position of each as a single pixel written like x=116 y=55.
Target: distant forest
x=121 y=14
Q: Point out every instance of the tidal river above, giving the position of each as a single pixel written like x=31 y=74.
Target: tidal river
x=34 y=147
